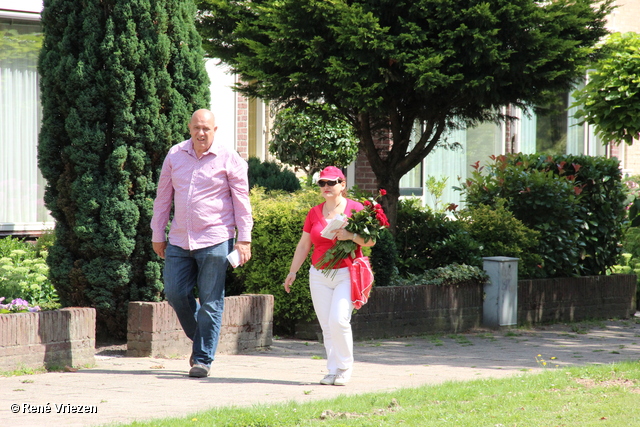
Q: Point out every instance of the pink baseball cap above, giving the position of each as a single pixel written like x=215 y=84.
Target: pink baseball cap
x=332 y=173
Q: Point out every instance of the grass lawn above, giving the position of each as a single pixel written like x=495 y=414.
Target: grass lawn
x=595 y=395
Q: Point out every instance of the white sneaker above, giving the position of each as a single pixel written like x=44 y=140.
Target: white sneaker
x=328 y=379
x=342 y=377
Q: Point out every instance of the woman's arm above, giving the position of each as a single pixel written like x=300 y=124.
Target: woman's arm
x=300 y=255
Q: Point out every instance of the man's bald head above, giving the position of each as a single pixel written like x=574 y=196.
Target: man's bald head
x=202 y=128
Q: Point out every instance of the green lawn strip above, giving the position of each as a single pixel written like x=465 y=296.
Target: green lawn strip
x=594 y=395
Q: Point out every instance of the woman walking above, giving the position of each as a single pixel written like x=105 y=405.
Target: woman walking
x=330 y=293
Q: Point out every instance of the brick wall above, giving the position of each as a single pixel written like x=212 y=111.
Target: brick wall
x=57 y=338
x=625 y=17
x=398 y=311
x=242 y=126
x=412 y=310
x=365 y=179
x=576 y=298
x=415 y=310
x=153 y=329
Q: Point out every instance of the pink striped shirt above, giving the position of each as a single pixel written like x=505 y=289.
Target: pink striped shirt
x=210 y=197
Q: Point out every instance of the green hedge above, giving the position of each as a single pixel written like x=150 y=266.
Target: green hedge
x=278 y=221
x=499 y=233
x=426 y=239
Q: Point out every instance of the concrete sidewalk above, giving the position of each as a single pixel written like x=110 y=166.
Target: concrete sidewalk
x=125 y=389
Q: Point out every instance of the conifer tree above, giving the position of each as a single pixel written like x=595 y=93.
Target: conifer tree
x=119 y=81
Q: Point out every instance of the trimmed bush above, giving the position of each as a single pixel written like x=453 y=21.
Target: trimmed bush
x=279 y=218
x=383 y=259
x=448 y=275
x=426 y=240
x=500 y=234
x=576 y=202
x=602 y=198
x=543 y=201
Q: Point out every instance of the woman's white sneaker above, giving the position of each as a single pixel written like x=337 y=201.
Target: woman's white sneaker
x=341 y=377
x=328 y=379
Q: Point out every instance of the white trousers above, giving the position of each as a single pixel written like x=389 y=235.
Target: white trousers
x=332 y=302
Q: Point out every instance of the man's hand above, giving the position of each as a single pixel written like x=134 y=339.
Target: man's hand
x=159 y=248
x=244 y=250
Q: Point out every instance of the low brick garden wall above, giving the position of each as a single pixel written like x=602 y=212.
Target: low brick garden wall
x=415 y=310
x=576 y=298
x=54 y=339
x=412 y=310
x=154 y=330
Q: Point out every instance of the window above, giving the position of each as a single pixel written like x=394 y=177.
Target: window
x=411 y=183
x=21 y=184
x=553 y=129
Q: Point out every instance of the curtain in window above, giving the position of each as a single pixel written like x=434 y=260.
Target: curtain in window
x=449 y=163
x=21 y=185
x=575 y=132
x=411 y=183
x=528 y=124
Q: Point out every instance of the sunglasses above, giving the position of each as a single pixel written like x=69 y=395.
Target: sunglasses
x=329 y=183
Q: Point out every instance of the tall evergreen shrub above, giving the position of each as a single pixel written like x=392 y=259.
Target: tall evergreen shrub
x=119 y=81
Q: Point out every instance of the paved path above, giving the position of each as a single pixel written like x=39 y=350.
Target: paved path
x=125 y=389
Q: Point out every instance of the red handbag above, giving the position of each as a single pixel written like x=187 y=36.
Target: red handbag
x=361 y=280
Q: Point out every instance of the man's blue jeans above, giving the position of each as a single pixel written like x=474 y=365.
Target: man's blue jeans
x=205 y=268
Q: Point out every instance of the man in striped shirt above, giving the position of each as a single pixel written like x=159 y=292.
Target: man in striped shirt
x=207 y=187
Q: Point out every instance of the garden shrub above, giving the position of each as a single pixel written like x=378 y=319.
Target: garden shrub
x=427 y=240
x=448 y=275
x=544 y=201
x=383 y=259
x=278 y=221
x=24 y=273
x=500 y=234
x=602 y=197
x=271 y=176
x=630 y=259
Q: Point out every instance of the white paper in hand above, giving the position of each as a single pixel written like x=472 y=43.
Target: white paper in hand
x=337 y=222
x=234 y=258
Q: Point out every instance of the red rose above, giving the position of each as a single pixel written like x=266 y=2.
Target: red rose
x=382 y=219
x=367 y=203
x=383 y=192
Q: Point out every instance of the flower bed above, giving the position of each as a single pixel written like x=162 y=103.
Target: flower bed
x=53 y=339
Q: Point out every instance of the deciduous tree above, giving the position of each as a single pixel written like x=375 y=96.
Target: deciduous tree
x=312 y=138
x=611 y=99
x=389 y=64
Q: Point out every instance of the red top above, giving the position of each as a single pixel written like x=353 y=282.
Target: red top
x=315 y=223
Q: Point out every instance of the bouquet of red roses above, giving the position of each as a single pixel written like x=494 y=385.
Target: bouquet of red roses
x=366 y=223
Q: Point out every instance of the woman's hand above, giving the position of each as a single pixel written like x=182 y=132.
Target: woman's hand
x=288 y=281
x=342 y=234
